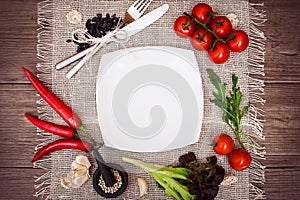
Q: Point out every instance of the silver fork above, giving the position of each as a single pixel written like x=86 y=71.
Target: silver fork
x=134 y=12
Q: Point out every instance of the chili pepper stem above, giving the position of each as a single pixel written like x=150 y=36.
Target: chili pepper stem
x=76 y=135
x=82 y=128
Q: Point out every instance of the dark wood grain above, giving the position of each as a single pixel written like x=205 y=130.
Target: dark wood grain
x=18 y=39
x=18 y=138
x=18 y=183
x=282 y=119
x=282 y=183
x=282 y=109
x=282 y=45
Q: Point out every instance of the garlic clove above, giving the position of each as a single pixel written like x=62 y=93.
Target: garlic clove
x=233 y=19
x=70 y=176
x=229 y=179
x=143 y=186
x=83 y=160
x=78 y=180
x=79 y=173
x=81 y=170
x=74 y=165
x=66 y=183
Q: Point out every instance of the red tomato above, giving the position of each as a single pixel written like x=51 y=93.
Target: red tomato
x=224 y=144
x=220 y=54
x=239 y=41
x=239 y=159
x=184 y=26
x=203 y=12
x=222 y=26
x=201 y=39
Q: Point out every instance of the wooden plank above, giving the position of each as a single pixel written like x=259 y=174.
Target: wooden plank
x=281 y=161
x=282 y=114
x=18 y=138
x=282 y=184
x=18 y=38
x=16 y=87
x=17 y=183
x=283 y=39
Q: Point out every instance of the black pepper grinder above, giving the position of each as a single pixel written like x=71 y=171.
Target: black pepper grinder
x=106 y=173
x=105 y=170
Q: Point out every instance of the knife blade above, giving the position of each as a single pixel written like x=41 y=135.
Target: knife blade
x=130 y=29
x=145 y=21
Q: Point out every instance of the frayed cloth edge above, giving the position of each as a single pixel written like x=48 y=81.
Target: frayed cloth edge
x=44 y=54
x=256 y=60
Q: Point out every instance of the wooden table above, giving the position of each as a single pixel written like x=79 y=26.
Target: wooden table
x=18 y=40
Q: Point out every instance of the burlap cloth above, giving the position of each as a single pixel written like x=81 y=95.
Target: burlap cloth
x=79 y=92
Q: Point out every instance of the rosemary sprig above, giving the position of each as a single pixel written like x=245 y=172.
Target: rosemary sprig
x=230 y=105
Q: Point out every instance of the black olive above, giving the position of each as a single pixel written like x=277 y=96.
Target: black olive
x=98 y=27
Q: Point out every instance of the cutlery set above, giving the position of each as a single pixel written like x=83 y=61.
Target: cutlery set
x=135 y=23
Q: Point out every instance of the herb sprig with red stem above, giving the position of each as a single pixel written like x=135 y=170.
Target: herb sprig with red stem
x=230 y=105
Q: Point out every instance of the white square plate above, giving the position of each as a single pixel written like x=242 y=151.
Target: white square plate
x=149 y=99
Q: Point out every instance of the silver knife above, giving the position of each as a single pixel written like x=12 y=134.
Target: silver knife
x=131 y=29
x=146 y=20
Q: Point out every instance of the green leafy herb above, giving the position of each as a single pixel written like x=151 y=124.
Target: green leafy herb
x=188 y=180
x=230 y=105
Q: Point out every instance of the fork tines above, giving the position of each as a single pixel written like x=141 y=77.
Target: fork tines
x=141 y=5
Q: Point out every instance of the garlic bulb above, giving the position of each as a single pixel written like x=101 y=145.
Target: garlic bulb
x=233 y=19
x=74 y=17
x=229 y=179
x=79 y=173
x=143 y=186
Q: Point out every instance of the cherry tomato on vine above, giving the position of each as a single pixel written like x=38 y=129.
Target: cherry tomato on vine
x=224 y=144
x=184 y=26
x=220 y=53
x=239 y=159
x=239 y=41
x=201 y=39
x=222 y=26
x=203 y=12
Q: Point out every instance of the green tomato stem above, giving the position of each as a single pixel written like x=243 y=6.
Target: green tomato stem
x=205 y=27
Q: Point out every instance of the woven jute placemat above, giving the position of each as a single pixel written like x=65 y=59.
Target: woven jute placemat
x=79 y=92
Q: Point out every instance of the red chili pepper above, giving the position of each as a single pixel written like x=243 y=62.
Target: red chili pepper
x=56 y=129
x=60 y=145
x=58 y=105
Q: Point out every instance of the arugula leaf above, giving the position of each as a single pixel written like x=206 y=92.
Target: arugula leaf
x=230 y=105
x=220 y=97
x=245 y=110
